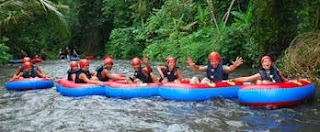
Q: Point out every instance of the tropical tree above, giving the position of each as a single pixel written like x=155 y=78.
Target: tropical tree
x=15 y=12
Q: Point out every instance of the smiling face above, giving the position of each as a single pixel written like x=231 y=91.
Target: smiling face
x=214 y=59
x=108 y=65
x=27 y=66
x=171 y=65
x=214 y=63
x=136 y=67
x=136 y=64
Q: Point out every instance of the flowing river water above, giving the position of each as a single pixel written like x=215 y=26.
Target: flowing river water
x=47 y=110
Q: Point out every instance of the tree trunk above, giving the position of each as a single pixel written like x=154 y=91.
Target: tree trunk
x=213 y=17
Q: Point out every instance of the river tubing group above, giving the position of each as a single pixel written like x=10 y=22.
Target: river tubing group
x=267 y=88
x=29 y=76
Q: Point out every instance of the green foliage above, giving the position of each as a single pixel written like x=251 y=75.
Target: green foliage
x=89 y=26
x=124 y=13
x=4 y=55
x=232 y=41
x=119 y=12
x=124 y=44
x=32 y=25
x=32 y=41
x=173 y=19
x=251 y=51
x=182 y=28
x=157 y=28
x=309 y=16
x=202 y=16
x=15 y=12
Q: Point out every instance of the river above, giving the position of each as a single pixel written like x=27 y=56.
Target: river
x=47 y=110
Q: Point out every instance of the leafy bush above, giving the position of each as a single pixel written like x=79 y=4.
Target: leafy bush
x=295 y=64
x=124 y=44
x=4 y=55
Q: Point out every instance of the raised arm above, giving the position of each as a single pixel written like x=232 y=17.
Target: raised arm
x=194 y=66
x=17 y=71
x=148 y=67
x=234 y=65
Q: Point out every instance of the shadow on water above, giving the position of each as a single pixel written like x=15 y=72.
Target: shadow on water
x=47 y=110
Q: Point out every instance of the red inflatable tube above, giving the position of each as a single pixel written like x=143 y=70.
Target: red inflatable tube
x=277 y=95
x=289 y=84
x=185 y=84
x=124 y=84
x=70 y=84
x=36 y=60
x=89 y=57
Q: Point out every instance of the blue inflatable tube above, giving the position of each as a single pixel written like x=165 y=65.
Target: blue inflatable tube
x=199 y=92
x=15 y=61
x=29 y=83
x=172 y=91
x=74 y=59
x=277 y=95
x=69 y=88
x=123 y=90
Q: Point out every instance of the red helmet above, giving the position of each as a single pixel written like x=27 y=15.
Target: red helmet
x=135 y=61
x=26 y=59
x=83 y=63
x=27 y=64
x=171 y=59
x=73 y=64
x=108 y=56
x=214 y=56
x=108 y=60
x=265 y=57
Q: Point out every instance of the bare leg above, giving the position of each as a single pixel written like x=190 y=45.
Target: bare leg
x=129 y=80
x=137 y=81
x=94 y=78
x=205 y=80
x=259 y=82
x=154 y=78
x=176 y=81
x=266 y=82
x=165 y=80
x=194 y=80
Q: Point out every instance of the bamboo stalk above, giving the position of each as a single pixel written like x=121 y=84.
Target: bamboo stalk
x=228 y=12
x=213 y=17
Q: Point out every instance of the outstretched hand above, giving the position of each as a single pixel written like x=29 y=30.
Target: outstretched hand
x=238 y=61
x=190 y=62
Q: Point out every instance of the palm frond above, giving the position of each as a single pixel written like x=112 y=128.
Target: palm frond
x=13 y=12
